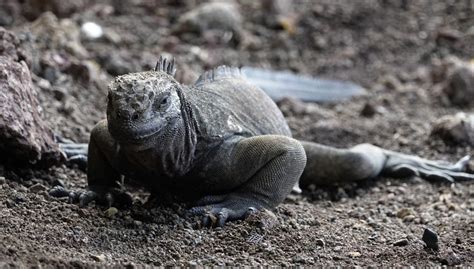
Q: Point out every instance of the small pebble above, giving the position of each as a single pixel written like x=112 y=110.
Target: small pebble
x=91 y=30
x=450 y=259
x=431 y=239
x=19 y=198
x=58 y=191
x=98 y=258
x=264 y=219
x=402 y=213
x=37 y=188
x=401 y=242
x=320 y=242
x=368 y=110
x=43 y=84
x=2 y=180
x=408 y=218
x=111 y=212
x=58 y=182
x=354 y=254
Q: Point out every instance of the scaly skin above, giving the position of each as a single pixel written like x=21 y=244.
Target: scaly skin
x=221 y=145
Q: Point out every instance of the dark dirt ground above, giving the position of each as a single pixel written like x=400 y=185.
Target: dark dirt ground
x=390 y=49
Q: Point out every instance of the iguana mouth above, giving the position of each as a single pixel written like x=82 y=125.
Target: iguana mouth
x=134 y=134
x=141 y=135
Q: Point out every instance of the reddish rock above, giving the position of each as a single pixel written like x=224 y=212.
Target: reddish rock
x=9 y=46
x=24 y=137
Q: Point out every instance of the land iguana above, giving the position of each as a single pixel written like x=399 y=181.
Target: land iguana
x=221 y=145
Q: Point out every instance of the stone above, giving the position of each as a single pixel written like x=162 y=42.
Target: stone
x=58 y=182
x=457 y=129
x=25 y=136
x=91 y=30
x=36 y=188
x=110 y=212
x=264 y=219
x=368 y=110
x=280 y=14
x=320 y=242
x=408 y=218
x=32 y=9
x=98 y=258
x=431 y=239
x=10 y=46
x=51 y=34
x=354 y=254
x=449 y=34
x=402 y=213
x=209 y=16
x=450 y=259
x=401 y=242
x=116 y=65
x=459 y=83
x=58 y=191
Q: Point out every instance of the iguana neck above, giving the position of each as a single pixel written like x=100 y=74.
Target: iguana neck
x=181 y=152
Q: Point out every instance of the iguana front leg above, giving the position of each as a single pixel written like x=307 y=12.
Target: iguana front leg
x=328 y=165
x=103 y=177
x=268 y=167
x=102 y=174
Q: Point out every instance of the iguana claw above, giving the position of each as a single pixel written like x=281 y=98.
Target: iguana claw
x=110 y=197
x=226 y=209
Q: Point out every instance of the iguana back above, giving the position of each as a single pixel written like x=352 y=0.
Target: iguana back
x=225 y=104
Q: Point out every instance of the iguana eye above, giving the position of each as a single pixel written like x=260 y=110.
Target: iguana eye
x=162 y=104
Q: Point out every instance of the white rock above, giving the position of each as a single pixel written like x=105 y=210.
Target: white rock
x=92 y=30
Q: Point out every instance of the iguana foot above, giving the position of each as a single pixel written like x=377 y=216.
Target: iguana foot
x=401 y=165
x=216 y=210
x=109 y=196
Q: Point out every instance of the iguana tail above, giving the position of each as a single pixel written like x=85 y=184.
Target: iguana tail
x=75 y=153
x=327 y=165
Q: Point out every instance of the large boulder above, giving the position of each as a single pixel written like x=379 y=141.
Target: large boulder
x=218 y=15
x=24 y=136
x=456 y=78
x=32 y=9
x=457 y=129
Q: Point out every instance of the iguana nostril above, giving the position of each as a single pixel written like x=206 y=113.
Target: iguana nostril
x=135 y=116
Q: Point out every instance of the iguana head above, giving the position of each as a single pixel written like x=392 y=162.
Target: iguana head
x=143 y=105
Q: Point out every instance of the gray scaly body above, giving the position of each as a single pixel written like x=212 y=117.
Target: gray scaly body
x=221 y=145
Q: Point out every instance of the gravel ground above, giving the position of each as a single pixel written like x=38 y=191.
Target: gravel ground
x=395 y=49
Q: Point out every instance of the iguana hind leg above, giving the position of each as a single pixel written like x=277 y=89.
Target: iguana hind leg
x=268 y=167
x=328 y=165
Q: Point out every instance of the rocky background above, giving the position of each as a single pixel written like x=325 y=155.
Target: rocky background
x=415 y=58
